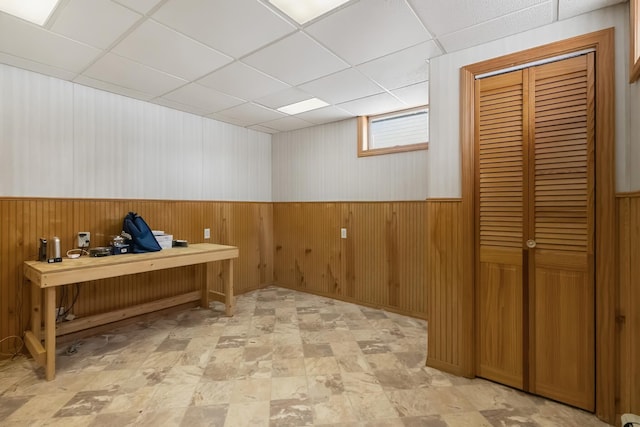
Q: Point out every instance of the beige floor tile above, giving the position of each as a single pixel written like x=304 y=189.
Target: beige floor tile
x=321 y=365
x=254 y=414
x=170 y=396
x=371 y=406
x=289 y=388
x=466 y=419
x=286 y=358
x=161 y=417
x=128 y=402
x=336 y=409
x=251 y=390
x=212 y=393
x=361 y=382
x=41 y=407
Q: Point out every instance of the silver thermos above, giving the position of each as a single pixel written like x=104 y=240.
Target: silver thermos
x=56 y=248
x=50 y=250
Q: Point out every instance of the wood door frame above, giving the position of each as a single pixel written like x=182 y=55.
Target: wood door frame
x=605 y=208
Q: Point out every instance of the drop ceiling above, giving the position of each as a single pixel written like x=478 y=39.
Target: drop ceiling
x=238 y=61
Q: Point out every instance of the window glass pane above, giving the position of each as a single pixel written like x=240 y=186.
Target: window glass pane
x=404 y=129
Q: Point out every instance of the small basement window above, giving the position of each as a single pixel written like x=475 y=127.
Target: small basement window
x=396 y=132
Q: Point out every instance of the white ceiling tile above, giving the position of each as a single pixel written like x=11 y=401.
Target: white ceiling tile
x=376 y=104
x=142 y=6
x=402 y=68
x=110 y=87
x=233 y=27
x=342 y=86
x=325 y=115
x=203 y=98
x=120 y=71
x=242 y=81
x=369 y=29
x=414 y=95
x=162 y=48
x=310 y=61
x=283 y=97
x=22 y=39
x=96 y=22
x=569 y=8
x=444 y=17
x=249 y=114
x=287 y=123
x=515 y=23
x=237 y=61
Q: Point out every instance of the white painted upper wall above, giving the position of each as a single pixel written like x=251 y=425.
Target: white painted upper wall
x=321 y=164
x=60 y=139
x=443 y=162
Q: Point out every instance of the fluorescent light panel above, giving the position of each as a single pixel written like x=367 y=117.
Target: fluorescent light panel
x=36 y=11
x=302 y=106
x=305 y=10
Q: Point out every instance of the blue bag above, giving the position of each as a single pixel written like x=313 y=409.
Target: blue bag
x=142 y=238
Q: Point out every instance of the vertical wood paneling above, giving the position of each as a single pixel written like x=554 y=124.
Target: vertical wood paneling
x=23 y=221
x=628 y=338
x=307 y=246
x=444 y=284
x=382 y=262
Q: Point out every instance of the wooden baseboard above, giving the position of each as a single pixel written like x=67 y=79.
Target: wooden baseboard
x=356 y=301
x=447 y=367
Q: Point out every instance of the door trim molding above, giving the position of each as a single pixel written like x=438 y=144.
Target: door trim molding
x=605 y=227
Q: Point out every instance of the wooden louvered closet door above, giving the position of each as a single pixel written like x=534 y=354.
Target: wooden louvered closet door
x=535 y=224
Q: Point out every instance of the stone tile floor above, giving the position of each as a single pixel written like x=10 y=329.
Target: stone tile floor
x=285 y=359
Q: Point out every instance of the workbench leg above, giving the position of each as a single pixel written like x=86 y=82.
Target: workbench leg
x=229 y=300
x=50 y=332
x=204 y=278
x=36 y=311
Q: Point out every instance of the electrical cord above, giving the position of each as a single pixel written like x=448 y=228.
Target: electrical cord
x=73 y=303
x=63 y=298
x=61 y=315
x=76 y=253
x=17 y=349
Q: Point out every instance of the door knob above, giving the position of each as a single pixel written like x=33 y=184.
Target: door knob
x=531 y=243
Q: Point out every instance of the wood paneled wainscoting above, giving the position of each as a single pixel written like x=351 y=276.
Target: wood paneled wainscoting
x=247 y=225
x=400 y=256
x=383 y=262
x=628 y=312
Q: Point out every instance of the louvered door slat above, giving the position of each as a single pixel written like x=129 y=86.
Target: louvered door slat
x=561 y=149
x=500 y=164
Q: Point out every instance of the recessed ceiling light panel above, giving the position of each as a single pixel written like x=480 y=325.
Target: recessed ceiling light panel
x=36 y=11
x=302 y=106
x=305 y=11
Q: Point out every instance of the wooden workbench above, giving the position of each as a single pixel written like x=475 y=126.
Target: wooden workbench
x=45 y=277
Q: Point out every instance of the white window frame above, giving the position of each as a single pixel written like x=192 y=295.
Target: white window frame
x=364 y=132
